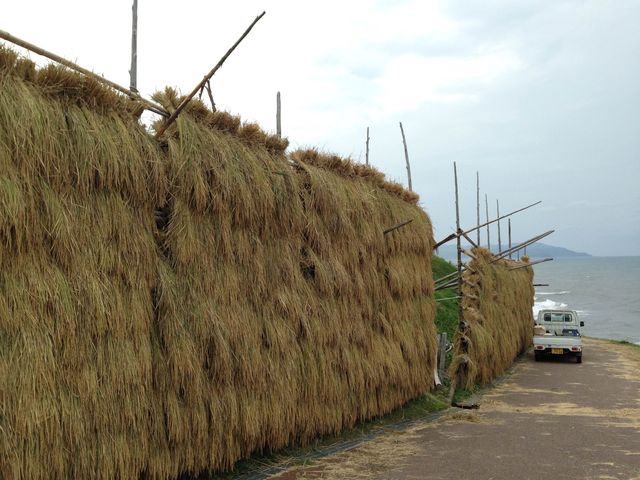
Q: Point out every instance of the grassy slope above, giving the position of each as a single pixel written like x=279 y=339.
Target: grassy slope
x=447 y=313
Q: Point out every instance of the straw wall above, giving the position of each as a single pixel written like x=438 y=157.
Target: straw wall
x=173 y=308
x=497 y=319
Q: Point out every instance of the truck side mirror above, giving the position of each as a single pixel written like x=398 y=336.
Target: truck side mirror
x=582 y=324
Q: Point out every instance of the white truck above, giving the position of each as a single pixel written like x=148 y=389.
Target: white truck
x=558 y=332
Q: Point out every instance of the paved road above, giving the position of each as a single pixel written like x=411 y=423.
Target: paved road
x=552 y=419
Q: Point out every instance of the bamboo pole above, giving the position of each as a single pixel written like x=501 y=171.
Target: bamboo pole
x=509 y=238
x=486 y=210
x=478 y=206
x=459 y=243
x=467 y=253
x=206 y=78
x=446 y=298
x=406 y=156
x=207 y=87
x=532 y=263
x=523 y=245
x=133 y=73
x=397 y=226
x=366 y=158
x=454 y=380
x=149 y=105
x=278 y=115
x=473 y=244
x=453 y=235
x=498 y=214
x=450 y=275
x=444 y=286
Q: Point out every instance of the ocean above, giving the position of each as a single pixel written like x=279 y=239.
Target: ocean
x=605 y=291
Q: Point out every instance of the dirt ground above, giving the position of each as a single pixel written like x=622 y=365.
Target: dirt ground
x=550 y=419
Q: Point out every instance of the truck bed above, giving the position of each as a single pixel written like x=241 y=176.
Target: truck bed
x=557 y=345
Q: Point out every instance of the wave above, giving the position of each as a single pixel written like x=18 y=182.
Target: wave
x=547 y=304
x=553 y=293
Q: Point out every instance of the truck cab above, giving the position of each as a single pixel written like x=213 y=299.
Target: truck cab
x=562 y=334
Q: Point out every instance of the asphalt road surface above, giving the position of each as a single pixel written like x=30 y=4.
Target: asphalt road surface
x=553 y=419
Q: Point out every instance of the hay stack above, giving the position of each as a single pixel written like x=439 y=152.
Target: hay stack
x=285 y=313
x=79 y=179
x=171 y=310
x=497 y=319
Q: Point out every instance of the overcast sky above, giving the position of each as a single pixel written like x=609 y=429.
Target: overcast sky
x=541 y=97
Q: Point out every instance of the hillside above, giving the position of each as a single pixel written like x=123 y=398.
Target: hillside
x=537 y=250
x=447 y=311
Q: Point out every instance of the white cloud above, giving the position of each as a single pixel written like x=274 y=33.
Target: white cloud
x=410 y=80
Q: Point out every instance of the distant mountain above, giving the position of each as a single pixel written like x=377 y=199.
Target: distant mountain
x=537 y=250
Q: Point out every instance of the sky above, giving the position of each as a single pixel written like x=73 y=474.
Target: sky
x=542 y=98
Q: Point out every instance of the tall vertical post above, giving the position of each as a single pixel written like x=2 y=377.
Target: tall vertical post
x=459 y=236
x=278 y=115
x=486 y=211
x=406 y=156
x=499 y=239
x=133 y=73
x=454 y=380
x=510 y=257
x=478 y=207
x=366 y=158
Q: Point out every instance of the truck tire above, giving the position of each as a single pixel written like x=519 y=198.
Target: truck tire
x=537 y=356
x=578 y=358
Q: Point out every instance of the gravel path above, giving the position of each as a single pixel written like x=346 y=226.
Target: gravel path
x=550 y=419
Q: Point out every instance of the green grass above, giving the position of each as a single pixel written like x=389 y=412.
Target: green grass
x=626 y=343
x=447 y=313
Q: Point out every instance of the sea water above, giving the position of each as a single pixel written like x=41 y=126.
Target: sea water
x=605 y=291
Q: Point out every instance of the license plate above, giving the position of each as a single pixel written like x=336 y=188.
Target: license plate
x=557 y=351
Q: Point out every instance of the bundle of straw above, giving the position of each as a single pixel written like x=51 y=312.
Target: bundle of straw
x=79 y=181
x=170 y=309
x=285 y=312
x=496 y=327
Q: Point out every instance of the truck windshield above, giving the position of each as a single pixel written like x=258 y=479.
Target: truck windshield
x=558 y=317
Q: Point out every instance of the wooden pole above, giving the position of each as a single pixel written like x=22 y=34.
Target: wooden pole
x=473 y=244
x=454 y=380
x=442 y=350
x=532 y=263
x=447 y=278
x=406 y=156
x=133 y=73
x=499 y=238
x=459 y=243
x=523 y=245
x=149 y=105
x=397 y=226
x=478 y=207
x=444 y=286
x=453 y=235
x=206 y=78
x=366 y=158
x=445 y=299
x=278 y=115
x=486 y=209
x=509 y=238
x=207 y=87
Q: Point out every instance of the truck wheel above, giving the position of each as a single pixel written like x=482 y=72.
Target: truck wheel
x=579 y=359
x=537 y=356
